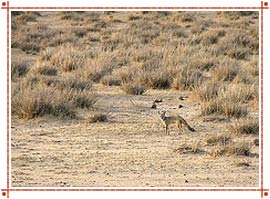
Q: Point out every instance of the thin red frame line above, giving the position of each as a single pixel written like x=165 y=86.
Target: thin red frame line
x=262 y=182
x=8 y=37
x=131 y=189
x=171 y=8
x=137 y=8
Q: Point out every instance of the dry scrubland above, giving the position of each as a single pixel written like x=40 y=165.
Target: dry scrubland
x=83 y=84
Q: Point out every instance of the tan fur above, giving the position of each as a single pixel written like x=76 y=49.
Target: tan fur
x=178 y=120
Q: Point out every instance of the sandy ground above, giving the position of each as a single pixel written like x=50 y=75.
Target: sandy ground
x=130 y=150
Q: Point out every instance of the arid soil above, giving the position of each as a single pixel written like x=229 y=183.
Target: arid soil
x=62 y=60
x=130 y=150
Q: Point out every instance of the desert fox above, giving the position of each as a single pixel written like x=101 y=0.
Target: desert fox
x=178 y=120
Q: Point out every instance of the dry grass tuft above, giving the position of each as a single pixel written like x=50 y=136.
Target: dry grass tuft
x=247 y=126
x=97 y=118
x=222 y=140
x=132 y=89
x=185 y=149
x=19 y=69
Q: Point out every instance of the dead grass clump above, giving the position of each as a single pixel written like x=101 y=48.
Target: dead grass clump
x=63 y=111
x=45 y=70
x=132 y=89
x=30 y=103
x=110 y=80
x=239 y=149
x=207 y=91
x=238 y=53
x=247 y=126
x=226 y=71
x=84 y=100
x=97 y=118
x=252 y=67
x=193 y=149
x=25 y=17
x=242 y=164
x=188 y=79
x=133 y=17
x=19 y=69
x=66 y=57
x=156 y=79
x=221 y=140
x=42 y=95
x=232 y=108
x=226 y=106
x=209 y=38
x=180 y=34
x=76 y=84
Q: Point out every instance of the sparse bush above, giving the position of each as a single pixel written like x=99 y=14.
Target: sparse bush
x=209 y=38
x=83 y=100
x=45 y=70
x=247 y=126
x=180 y=34
x=97 y=118
x=188 y=79
x=133 y=17
x=226 y=71
x=159 y=79
x=208 y=90
x=19 y=69
x=239 y=149
x=222 y=140
x=132 y=89
x=67 y=58
x=110 y=80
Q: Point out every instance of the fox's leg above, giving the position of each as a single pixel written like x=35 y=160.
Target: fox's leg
x=179 y=125
x=167 y=133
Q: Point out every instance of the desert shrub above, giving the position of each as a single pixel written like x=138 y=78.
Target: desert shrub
x=19 y=69
x=247 y=126
x=84 y=100
x=187 y=79
x=45 y=70
x=238 y=149
x=252 y=67
x=97 y=118
x=214 y=140
x=233 y=108
x=224 y=106
x=209 y=38
x=238 y=53
x=180 y=34
x=62 y=111
x=227 y=70
x=133 y=17
x=133 y=89
x=27 y=17
x=157 y=79
x=96 y=70
x=34 y=98
x=207 y=91
x=67 y=58
x=186 y=17
x=30 y=103
x=76 y=83
x=110 y=80
x=230 y=102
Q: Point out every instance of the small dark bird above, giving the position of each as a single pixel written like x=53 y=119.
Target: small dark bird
x=154 y=106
